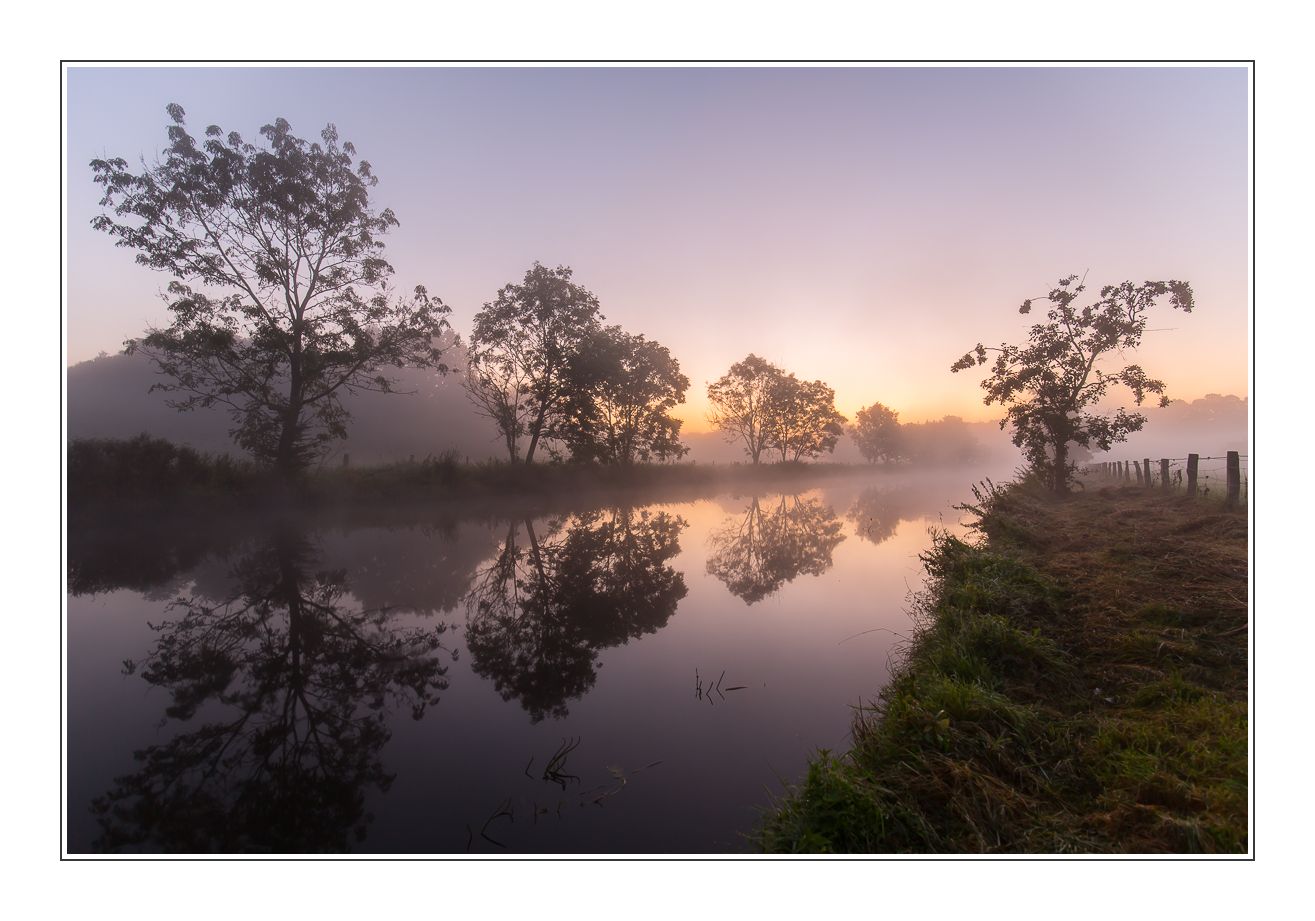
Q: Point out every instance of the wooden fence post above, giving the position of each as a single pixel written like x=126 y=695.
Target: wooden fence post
x=1234 y=479
x=1127 y=470
x=1164 y=473
x=1137 y=466
x=1193 y=461
x=1146 y=466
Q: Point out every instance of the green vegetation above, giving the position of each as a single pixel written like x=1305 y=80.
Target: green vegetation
x=1077 y=683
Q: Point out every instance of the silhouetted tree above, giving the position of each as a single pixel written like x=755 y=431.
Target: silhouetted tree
x=741 y=402
x=293 y=685
x=622 y=388
x=1048 y=385
x=298 y=309
x=802 y=420
x=521 y=351
x=876 y=431
x=540 y=613
x=754 y=555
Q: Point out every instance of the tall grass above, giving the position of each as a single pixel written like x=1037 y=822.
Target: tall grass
x=1053 y=698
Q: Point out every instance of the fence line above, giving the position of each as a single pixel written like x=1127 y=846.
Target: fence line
x=1168 y=474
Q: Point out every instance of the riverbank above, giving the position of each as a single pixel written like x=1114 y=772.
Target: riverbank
x=1077 y=683
x=153 y=476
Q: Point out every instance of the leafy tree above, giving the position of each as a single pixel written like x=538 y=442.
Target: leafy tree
x=280 y=292
x=758 y=403
x=741 y=403
x=1049 y=385
x=876 y=431
x=802 y=420
x=521 y=352
x=618 y=407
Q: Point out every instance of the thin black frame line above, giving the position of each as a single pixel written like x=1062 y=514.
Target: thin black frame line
x=865 y=858
x=333 y=62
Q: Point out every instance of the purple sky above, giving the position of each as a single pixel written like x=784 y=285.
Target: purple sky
x=863 y=226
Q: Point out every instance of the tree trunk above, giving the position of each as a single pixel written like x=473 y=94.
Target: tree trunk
x=1059 y=473
x=535 y=429
x=286 y=461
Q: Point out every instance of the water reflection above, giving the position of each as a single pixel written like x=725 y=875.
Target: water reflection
x=291 y=682
x=541 y=611
x=877 y=511
x=773 y=543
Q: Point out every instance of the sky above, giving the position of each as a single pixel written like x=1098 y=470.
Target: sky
x=862 y=226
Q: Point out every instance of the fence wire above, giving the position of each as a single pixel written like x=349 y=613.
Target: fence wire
x=1211 y=474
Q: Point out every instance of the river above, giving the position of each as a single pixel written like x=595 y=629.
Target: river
x=615 y=679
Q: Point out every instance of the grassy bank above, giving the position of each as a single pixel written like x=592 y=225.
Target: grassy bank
x=1077 y=683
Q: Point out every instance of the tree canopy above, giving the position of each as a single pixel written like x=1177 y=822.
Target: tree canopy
x=876 y=431
x=802 y=418
x=522 y=349
x=1050 y=386
x=740 y=402
x=764 y=407
x=280 y=293
x=623 y=388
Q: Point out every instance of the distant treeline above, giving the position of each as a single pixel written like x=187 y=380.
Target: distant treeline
x=147 y=472
x=109 y=397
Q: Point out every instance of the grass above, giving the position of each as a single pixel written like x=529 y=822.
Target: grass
x=1077 y=683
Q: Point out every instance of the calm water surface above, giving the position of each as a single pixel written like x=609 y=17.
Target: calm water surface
x=620 y=679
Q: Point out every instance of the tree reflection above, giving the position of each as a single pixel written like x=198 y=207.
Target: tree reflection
x=769 y=546
x=539 y=614
x=875 y=514
x=292 y=683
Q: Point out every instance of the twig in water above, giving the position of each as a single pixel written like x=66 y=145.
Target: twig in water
x=554 y=771
x=873 y=630
x=504 y=809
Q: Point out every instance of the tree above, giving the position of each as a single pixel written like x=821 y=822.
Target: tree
x=280 y=293
x=521 y=352
x=741 y=402
x=618 y=405
x=876 y=431
x=1049 y=385
x=802 y=420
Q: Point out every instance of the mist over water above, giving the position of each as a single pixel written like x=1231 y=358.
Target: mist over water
x=614 y=679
